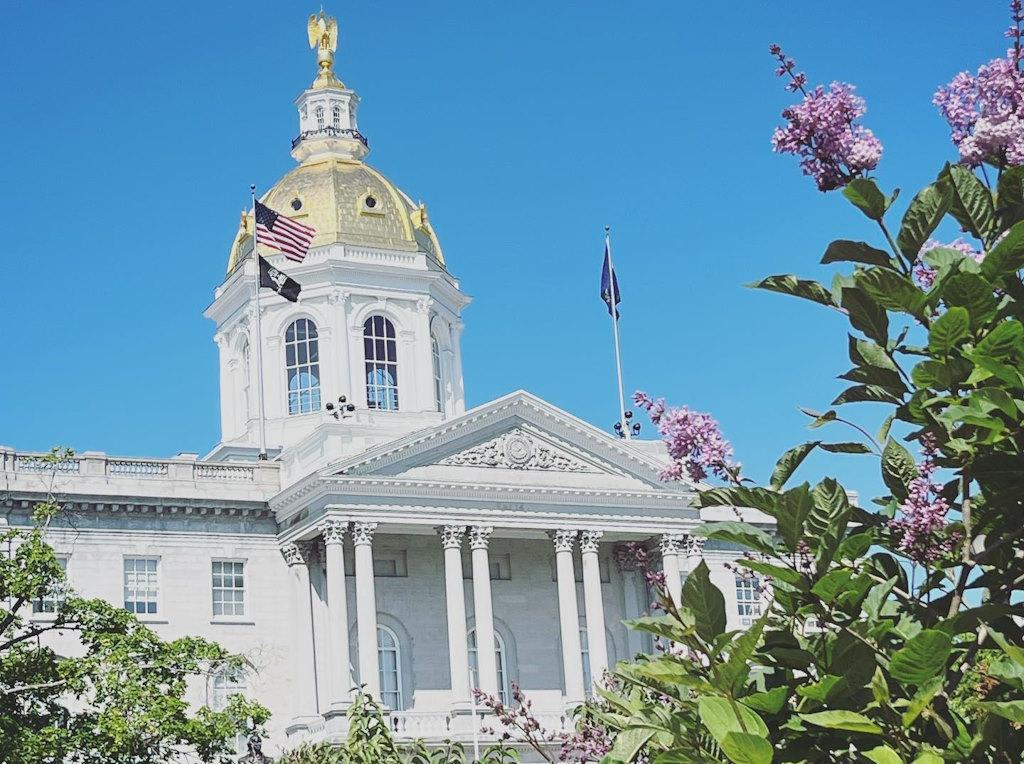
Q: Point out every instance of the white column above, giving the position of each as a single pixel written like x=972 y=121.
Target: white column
x=693 y=551
x=486 y=662
x=597 y=647
x=455 y=596
x=568 y=617
x=337 y=608
x=366 y=608
x=670 y=544
x=303 y=667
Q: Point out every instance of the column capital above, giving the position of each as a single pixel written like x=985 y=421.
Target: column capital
x=564 y=538
x=298 y=553
x=451 y=535
x=362 y=533
x=694 y=545
x=589 y=540
x=333 y=530
x=671 y=543
x=480 y=536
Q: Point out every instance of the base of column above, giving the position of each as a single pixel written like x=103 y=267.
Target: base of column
x=305 y=723
x=462 y=719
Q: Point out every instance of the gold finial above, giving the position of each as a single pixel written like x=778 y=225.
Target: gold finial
x=323 y=36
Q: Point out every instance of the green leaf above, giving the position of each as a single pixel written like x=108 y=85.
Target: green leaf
x=1007 y=257
x=864 y=194
x=756 y=498
x=867 y=353
x=823 y=688
x=1016 y=654
x=826 y=524
x=722 y=717
x=731 y=675
x=951 y=327
x=843 y=720
x=787 y=464
x=879 y=687
x=865 y=394
x=1008 y=709
x=898 y=468
x=865 y=314
x=820 y=419
x=1010 y=197
x=971 y=202
x=792 y=514
x=971 y=291
x=933 y=375
x=928 y=758
x=628 y=743
x=791 y=285
x=660 y=625
x=883 y=431
x=744 y=748
x=883 y=754
x=770 y=702
x=921 y=700
x=1005 y=339
x=705 y=601
x=735 y=532
x=844 y=250
x=922 y=658
x=922 y=217
x=891 y=290
x=856 y=546
x=786 y=575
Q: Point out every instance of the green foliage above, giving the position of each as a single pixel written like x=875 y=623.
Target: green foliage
x=871 y=649
x=120 y=697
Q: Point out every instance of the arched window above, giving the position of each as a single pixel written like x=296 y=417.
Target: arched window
x=381 y=352
x=319 y=117
x=302 y=365
x=223 y=684
x=748 y=598
x=588 y=678
x=389 y=662
x=499 y=659
x=336 y=117
x=435 y=354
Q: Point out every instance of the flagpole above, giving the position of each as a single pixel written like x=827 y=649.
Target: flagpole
x=612 y=294
x=259 y=332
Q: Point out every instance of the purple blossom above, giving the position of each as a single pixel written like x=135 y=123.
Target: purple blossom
x=822 y=130
x=924 y=274
x=695 y=443
x=921 y=531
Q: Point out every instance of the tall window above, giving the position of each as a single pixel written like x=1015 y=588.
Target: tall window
x=435 y=354
x=302 y=364
x=336 y=117
x=748 y=598
x=224 y=684
x=381 y=352
x=499 y=659
x=588 y=679
x=54 y=594
x=246 y=371
x=319 y=117
x=228 y=587
x=141 y=585
x=390 y=666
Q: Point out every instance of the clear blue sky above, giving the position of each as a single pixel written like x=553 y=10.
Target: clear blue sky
x=131 y=133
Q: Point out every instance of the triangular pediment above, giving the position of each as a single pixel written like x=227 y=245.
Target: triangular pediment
x=519 y=440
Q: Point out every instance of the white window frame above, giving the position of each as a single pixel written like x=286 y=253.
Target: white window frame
x=235 y=604
x=46 y=605
x=336 y=117
x=307 y=397
x=319 y=113
x=236 y=682
x=435 y=356
x=155 y=600
x=400 y=704
x=501 y=661
x=381 y=394
x=588 y=678
x=748 y=598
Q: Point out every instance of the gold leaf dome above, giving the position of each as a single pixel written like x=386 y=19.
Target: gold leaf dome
x=349 y=202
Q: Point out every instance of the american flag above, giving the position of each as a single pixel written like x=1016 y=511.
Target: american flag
x=280 y=232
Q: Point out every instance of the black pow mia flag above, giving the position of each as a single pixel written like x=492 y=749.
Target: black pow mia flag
x=280 y=282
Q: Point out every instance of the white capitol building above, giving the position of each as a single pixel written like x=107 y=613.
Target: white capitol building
x=382 y=546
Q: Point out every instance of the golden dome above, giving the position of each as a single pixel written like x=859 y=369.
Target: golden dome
x=346 y=201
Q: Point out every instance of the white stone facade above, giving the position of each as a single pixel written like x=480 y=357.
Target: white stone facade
x=378 y=546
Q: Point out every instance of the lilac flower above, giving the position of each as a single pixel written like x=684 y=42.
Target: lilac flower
x=924 y=274
x=695 y=443
x=921 y=531
x=822 y=130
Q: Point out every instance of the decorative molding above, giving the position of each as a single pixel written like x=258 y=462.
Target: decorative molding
x=333 y=531
x=517 y=450
x=451 y=536
x=480 y=536
x=292 y=554
x=694 y=545
x=671 y=543
x=564 y=539
x=589 y=540
x=362 y=533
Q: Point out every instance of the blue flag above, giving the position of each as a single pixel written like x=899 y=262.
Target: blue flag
x=609 y=283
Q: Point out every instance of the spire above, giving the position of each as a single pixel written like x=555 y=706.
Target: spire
x=323 y=37
x=327 y=109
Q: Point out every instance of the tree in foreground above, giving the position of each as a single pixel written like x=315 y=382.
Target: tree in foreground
x=892 y=633
x=120 y=697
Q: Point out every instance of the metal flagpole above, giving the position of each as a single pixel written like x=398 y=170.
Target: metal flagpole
x=613 y=291
x=259 y=333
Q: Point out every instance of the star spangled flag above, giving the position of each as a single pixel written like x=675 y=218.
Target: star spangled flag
x=280 y=232
x=609 y=282
x=279 y=281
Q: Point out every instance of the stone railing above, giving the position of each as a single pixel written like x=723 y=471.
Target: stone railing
x=420 y=724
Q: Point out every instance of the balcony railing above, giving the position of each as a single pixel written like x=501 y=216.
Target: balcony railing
x=331 y=132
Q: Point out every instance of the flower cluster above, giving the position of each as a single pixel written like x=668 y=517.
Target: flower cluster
x=589 y=742
x=924 y=274
x=984 y=110
x=921 y=531
x=822 y=130
x=695 y=443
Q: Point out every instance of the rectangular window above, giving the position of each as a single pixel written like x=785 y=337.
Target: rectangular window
x=141 y=585
x=748 y=598
x=53 y=597
x=499 y=565
x=228 y=588
x=390 y=564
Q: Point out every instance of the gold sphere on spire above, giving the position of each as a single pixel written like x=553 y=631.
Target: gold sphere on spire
x=323 y=37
